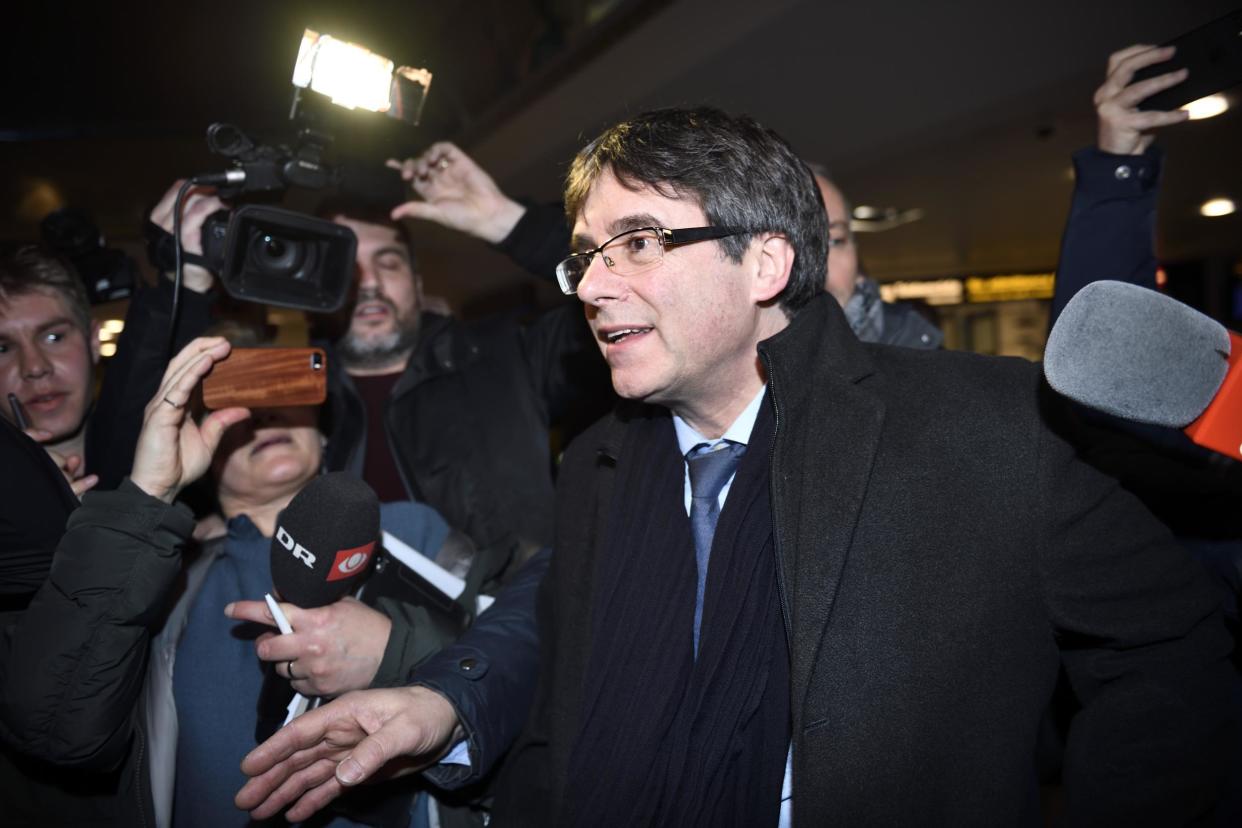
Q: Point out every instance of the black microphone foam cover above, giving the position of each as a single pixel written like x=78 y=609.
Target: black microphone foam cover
x=325 y=540
x=1136 y=354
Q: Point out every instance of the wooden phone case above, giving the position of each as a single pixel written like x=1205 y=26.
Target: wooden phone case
x=267 y=378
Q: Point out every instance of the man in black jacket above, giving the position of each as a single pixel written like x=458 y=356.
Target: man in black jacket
x=863 y=618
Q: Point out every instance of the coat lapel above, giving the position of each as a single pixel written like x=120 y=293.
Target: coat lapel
x=828 y=428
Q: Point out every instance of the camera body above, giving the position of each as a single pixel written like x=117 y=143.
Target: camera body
x=280 y=257
x=272 y=255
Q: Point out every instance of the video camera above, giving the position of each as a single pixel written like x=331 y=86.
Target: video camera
x=277 y=256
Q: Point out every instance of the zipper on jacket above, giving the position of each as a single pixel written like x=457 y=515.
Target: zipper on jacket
x=786 y=612
x=142 y=774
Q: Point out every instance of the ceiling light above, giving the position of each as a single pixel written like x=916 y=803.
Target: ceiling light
x=878 y=219
x=113 y=326
x=107 y=349
x=1215 y=207
x=1208 y=107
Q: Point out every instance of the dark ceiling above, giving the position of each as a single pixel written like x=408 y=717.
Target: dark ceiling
x=968 y=110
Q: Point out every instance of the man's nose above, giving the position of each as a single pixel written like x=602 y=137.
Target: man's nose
x=366 y=276
x=34 y=363
x=599 y=284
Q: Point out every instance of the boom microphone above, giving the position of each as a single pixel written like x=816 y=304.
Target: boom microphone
x=325 y=540
x=1141 y=356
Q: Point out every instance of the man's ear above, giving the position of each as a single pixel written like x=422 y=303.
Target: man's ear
x=776 y=258
x=94 y=335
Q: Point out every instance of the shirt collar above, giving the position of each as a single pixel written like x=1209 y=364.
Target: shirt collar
x=738 y=432
x=242 y=528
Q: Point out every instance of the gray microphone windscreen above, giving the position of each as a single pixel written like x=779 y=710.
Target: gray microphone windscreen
x=1136 y=354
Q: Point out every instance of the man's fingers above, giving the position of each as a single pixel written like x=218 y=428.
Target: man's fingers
x=1135 y=93
x=161 y=214
x=71 y=464
x=292 y=789
x=369 y=755
x=181 y=379
x=84 y=485
x=1141 y=58
x=315 y=799
x=282 y=648
x=256 y=611
x=415 y=210
x=1144 y=121
x=406 y=167
x=217 y=346
x=302 y=733
x=1120 y=74
x=1124 y=54
x=217 y=422
x=272 y=790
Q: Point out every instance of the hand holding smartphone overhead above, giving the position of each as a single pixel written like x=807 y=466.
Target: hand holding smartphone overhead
x=1212 y=53
x=267 y=378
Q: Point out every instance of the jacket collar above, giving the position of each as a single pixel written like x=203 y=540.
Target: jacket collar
x=444 y=346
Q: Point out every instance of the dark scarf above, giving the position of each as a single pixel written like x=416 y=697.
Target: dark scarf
x=666 y=739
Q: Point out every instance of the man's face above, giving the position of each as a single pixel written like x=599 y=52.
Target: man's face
x=47 y=361
x=842 y=254
x=681 y=334
x=385 y=314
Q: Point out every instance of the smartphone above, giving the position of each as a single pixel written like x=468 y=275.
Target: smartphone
x=267 y=378
x=1212 y=53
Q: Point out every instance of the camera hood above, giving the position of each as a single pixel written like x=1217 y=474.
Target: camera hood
x=280 y=257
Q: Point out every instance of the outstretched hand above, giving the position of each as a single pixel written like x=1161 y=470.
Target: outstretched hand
x=174 y=451
x=314 y=758
x=331 y=650
x=456 y=193
x=1124 y=128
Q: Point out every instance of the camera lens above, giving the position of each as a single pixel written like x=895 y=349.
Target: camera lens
x=273 y=255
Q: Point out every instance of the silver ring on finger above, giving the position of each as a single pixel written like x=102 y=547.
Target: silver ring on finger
x=289 y=670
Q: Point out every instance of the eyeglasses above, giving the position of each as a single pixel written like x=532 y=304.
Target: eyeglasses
x=634 y=251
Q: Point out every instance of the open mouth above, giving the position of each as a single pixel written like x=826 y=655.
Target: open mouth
x=45 y=402
x=371 y=310
x=622 y=334
x=268 y=442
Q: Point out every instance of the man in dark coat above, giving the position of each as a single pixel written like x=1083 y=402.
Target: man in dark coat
x=801 y=579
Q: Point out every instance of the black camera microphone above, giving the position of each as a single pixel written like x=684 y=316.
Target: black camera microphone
x=1142 y=356
x=324 y=547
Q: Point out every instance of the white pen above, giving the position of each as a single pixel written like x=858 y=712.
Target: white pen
x=281 y=621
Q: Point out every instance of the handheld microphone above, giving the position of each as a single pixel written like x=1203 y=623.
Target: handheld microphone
x=324 y=546
x=1141 y=356
x=325 y=540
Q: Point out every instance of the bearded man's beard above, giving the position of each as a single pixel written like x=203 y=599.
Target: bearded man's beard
x=379 y=351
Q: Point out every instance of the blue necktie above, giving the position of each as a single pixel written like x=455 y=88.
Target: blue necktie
x=710 y=468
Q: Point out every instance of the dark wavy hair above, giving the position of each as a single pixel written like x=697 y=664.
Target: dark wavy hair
x=738 y=172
